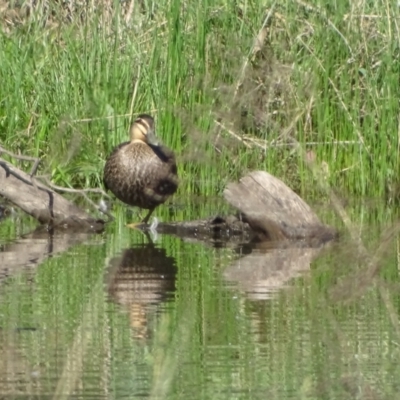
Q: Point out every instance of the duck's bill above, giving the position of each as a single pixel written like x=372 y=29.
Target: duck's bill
x=152 y=138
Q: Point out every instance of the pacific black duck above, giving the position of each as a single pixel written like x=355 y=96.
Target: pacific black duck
x=141 y=172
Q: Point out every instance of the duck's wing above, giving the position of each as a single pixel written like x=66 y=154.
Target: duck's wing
x=165 y=154
x=112 y=163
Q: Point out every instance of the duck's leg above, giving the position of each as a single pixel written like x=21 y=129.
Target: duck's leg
x=145 y=220
x=147 y=217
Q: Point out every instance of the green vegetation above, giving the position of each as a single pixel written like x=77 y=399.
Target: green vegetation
x=322 y=82
x=322 y=74
x=65 y=333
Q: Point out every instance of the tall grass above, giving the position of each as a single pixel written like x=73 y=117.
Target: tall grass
x=322 y=75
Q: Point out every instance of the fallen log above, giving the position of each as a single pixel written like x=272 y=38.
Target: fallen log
x=41 y=202
x=268 y=211
x=274 y=211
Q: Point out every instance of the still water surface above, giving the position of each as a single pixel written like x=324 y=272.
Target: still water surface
x=113 y=316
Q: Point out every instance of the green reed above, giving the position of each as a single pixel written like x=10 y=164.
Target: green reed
x=324 y=78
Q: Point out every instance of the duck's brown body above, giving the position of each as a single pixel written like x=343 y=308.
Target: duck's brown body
x=141 y=174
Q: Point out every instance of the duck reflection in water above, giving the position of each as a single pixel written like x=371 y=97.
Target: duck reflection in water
x=140 y=280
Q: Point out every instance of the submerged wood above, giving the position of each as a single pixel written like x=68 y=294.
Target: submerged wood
x=41 y=202
x=217 y=231
x=268 y=210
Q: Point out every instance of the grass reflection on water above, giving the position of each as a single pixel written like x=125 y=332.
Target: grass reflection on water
x=117 y=317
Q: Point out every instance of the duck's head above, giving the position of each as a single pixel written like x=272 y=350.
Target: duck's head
x=142 y=130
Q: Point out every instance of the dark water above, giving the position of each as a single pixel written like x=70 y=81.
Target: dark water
x=114 y=316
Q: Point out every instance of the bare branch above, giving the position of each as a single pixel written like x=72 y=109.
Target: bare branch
x=81 y=192
x=35 y=181
x=35 y=160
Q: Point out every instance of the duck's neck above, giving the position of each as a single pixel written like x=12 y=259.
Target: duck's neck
x=134 y=141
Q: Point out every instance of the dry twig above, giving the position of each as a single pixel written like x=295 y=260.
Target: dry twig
x=35 y=160
x=81 y=192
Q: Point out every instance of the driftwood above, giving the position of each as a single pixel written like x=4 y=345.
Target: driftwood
x=41 y=202
x=268 y=211
x=274 y=211
x=282 y=234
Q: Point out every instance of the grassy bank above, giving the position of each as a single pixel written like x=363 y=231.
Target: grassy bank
x=233 y=87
